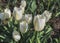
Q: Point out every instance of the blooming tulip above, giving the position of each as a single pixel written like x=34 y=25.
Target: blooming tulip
x=23 y=3
x=3 y=17
x=7 y=13
x=23 y=27
x=39 y=22
x=28 y=18
x=17 y=13
x=16 y=36
x=47 y=14
x=22 y=8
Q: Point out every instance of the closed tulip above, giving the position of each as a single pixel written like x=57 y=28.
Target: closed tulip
x=17 y=13
x=39 y=22
x=28 y=18
x=16 y=36
x=7 y=13
x=23 y=27
x=47 y=14
x=23 y=3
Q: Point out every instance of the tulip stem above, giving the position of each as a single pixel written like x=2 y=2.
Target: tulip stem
x=17 y=42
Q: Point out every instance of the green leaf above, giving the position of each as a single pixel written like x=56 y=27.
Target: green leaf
x=56 y=40
x=11 y=19
x=42 y=32
x=15 y=22
x=2 y=37
x=49 y=29
x=5 y=28
x=11 y=41
x=57 y=14
x=30 y=41
x=33 y=6
x=59 y=39
x=38 y=40
x=9 y=24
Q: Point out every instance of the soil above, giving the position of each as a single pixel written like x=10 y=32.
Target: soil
x=55 y=23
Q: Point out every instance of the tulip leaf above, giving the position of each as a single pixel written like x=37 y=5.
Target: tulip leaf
x=42 y=32
x=11 y=41
x=33 y=6
x=38 y=40
x=57 y=14
x=48 y=30
x=56 y=40
x=30 y=41
x=2 y=37
x=5 y=28
x=15 y=22
x=11 y=19
x=9 y=24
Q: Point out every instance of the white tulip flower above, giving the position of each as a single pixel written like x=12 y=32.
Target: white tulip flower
x=47 y=14
x=7 y=13
x=17 y=13
x=22 y=8
x=23 y=3
x=2 y=16
x=39 y=22
x=16 y=36
x=28 y=18
x=23 y=27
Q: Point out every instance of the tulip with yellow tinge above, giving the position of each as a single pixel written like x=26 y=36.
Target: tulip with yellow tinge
x=17 y=13
x=39 y=22
x=23 y=27
x=16 y=35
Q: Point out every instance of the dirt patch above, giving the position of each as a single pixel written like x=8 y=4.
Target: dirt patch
x=55 y=23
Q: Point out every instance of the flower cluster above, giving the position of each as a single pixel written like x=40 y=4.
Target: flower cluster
x=39 y=20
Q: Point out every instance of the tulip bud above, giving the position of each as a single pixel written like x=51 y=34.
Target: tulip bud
x=7 y=13
x=39 y=22
x=28 y=18
x=47 y=14
x=23 y=27
x=16 y=36
x=17 y=13
x=23 y=3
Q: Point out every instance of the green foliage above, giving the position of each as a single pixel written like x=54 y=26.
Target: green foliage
x=57 y=14
x=31 y=36
x=33 y=6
